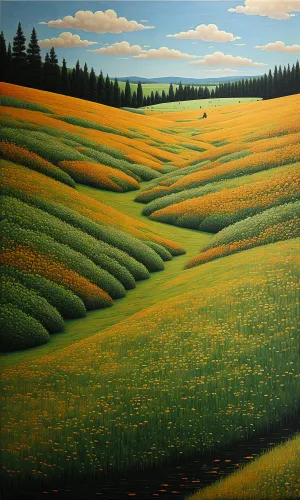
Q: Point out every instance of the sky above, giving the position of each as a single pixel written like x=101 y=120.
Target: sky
x=193 y=39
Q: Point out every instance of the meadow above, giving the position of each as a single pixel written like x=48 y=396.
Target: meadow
x=197 y=104
x=146 y=351
x=274 y=475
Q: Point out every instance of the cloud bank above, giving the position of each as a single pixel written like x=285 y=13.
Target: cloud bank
x=279 y=46
x=65 y=40
x=220 y=59
x=97 y=22
x=207 y=33
x=164 y=53
x=275 y=9
x=119 y=48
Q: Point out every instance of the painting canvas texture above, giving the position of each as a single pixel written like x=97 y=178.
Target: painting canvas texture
x=149 y=325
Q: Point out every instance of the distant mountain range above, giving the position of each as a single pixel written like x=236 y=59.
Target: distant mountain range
x=186 y=81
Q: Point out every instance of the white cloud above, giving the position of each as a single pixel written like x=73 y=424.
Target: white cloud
x=164 y=53
x=225 y=71
x=97 y=22
x=240 y=44
x=119 y=48
x=146 y=46
x=65 y=40
x=279 y=47
x=144 y=21
x=220 y=59
x=275 y=9
x=207 y=33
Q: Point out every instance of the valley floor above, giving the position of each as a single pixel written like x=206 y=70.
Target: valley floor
x=146 y=293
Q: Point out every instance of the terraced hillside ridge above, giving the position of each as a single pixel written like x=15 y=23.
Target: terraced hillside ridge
x=274 y=475
x=244 y=186
x=71 y=244
x=203 y=351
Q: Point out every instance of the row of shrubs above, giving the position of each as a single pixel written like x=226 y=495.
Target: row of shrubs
x=10 y=151
x=15 y=211
x=63 y=254
x=99 y=176
x=31 y=308
x=174 y=198
x=160 y=188
x=82 y=122
x=275 y=224
x=13 y=102
x=41 y=151
x=215 y=211
x=227 y=167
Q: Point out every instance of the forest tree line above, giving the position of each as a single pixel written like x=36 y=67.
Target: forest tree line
x=23 y=65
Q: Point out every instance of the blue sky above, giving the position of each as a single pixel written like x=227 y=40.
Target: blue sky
x=169 y=17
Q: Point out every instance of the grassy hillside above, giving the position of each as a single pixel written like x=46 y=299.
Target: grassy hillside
x=190 y=360
x=188 y=366
x=72 y=244
x=274 y=475
x=249 y=175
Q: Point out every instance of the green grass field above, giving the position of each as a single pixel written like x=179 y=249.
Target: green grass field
x=197 y=104
x=190 y=360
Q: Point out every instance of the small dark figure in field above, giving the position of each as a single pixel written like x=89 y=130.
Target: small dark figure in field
x=204 y=115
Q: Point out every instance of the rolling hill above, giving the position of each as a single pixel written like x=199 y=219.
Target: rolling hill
x=202 y=352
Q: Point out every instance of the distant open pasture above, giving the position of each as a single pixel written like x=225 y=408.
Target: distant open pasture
x=169 y=107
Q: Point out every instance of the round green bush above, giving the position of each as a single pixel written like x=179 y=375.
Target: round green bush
x=66 y=302
x=28 y=301
x=160 y=250
x=27 y=216
x=20 y=331
x=65 y=255
x=134 y=266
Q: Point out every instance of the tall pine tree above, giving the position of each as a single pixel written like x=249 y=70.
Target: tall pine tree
x=128 y=98
x=19 y=57
x=93 y=86
x=139 y=95
x=65 y=80
x=3 y=56
x=100 y=89
x=34 y=62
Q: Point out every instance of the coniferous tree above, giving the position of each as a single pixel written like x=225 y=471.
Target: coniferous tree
x=101 y=97
x=144 y=101
x=8 y=67
x=128 y=98
x=139 y=95
x=134 y=100
x=122 y=99
x=34 y=62
x=148 y=100
x=19 y=57
x=54 y=80
x=108 y=99
x=65 y=81
x=163 y=96
x=152 y=98
x=171 y=93
x=93 y=86
x=297 y=77
x=3 y=57
x=46 y=73
x=117 y=94
x=180 y=92
x=112 y=95
x=86 y=83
